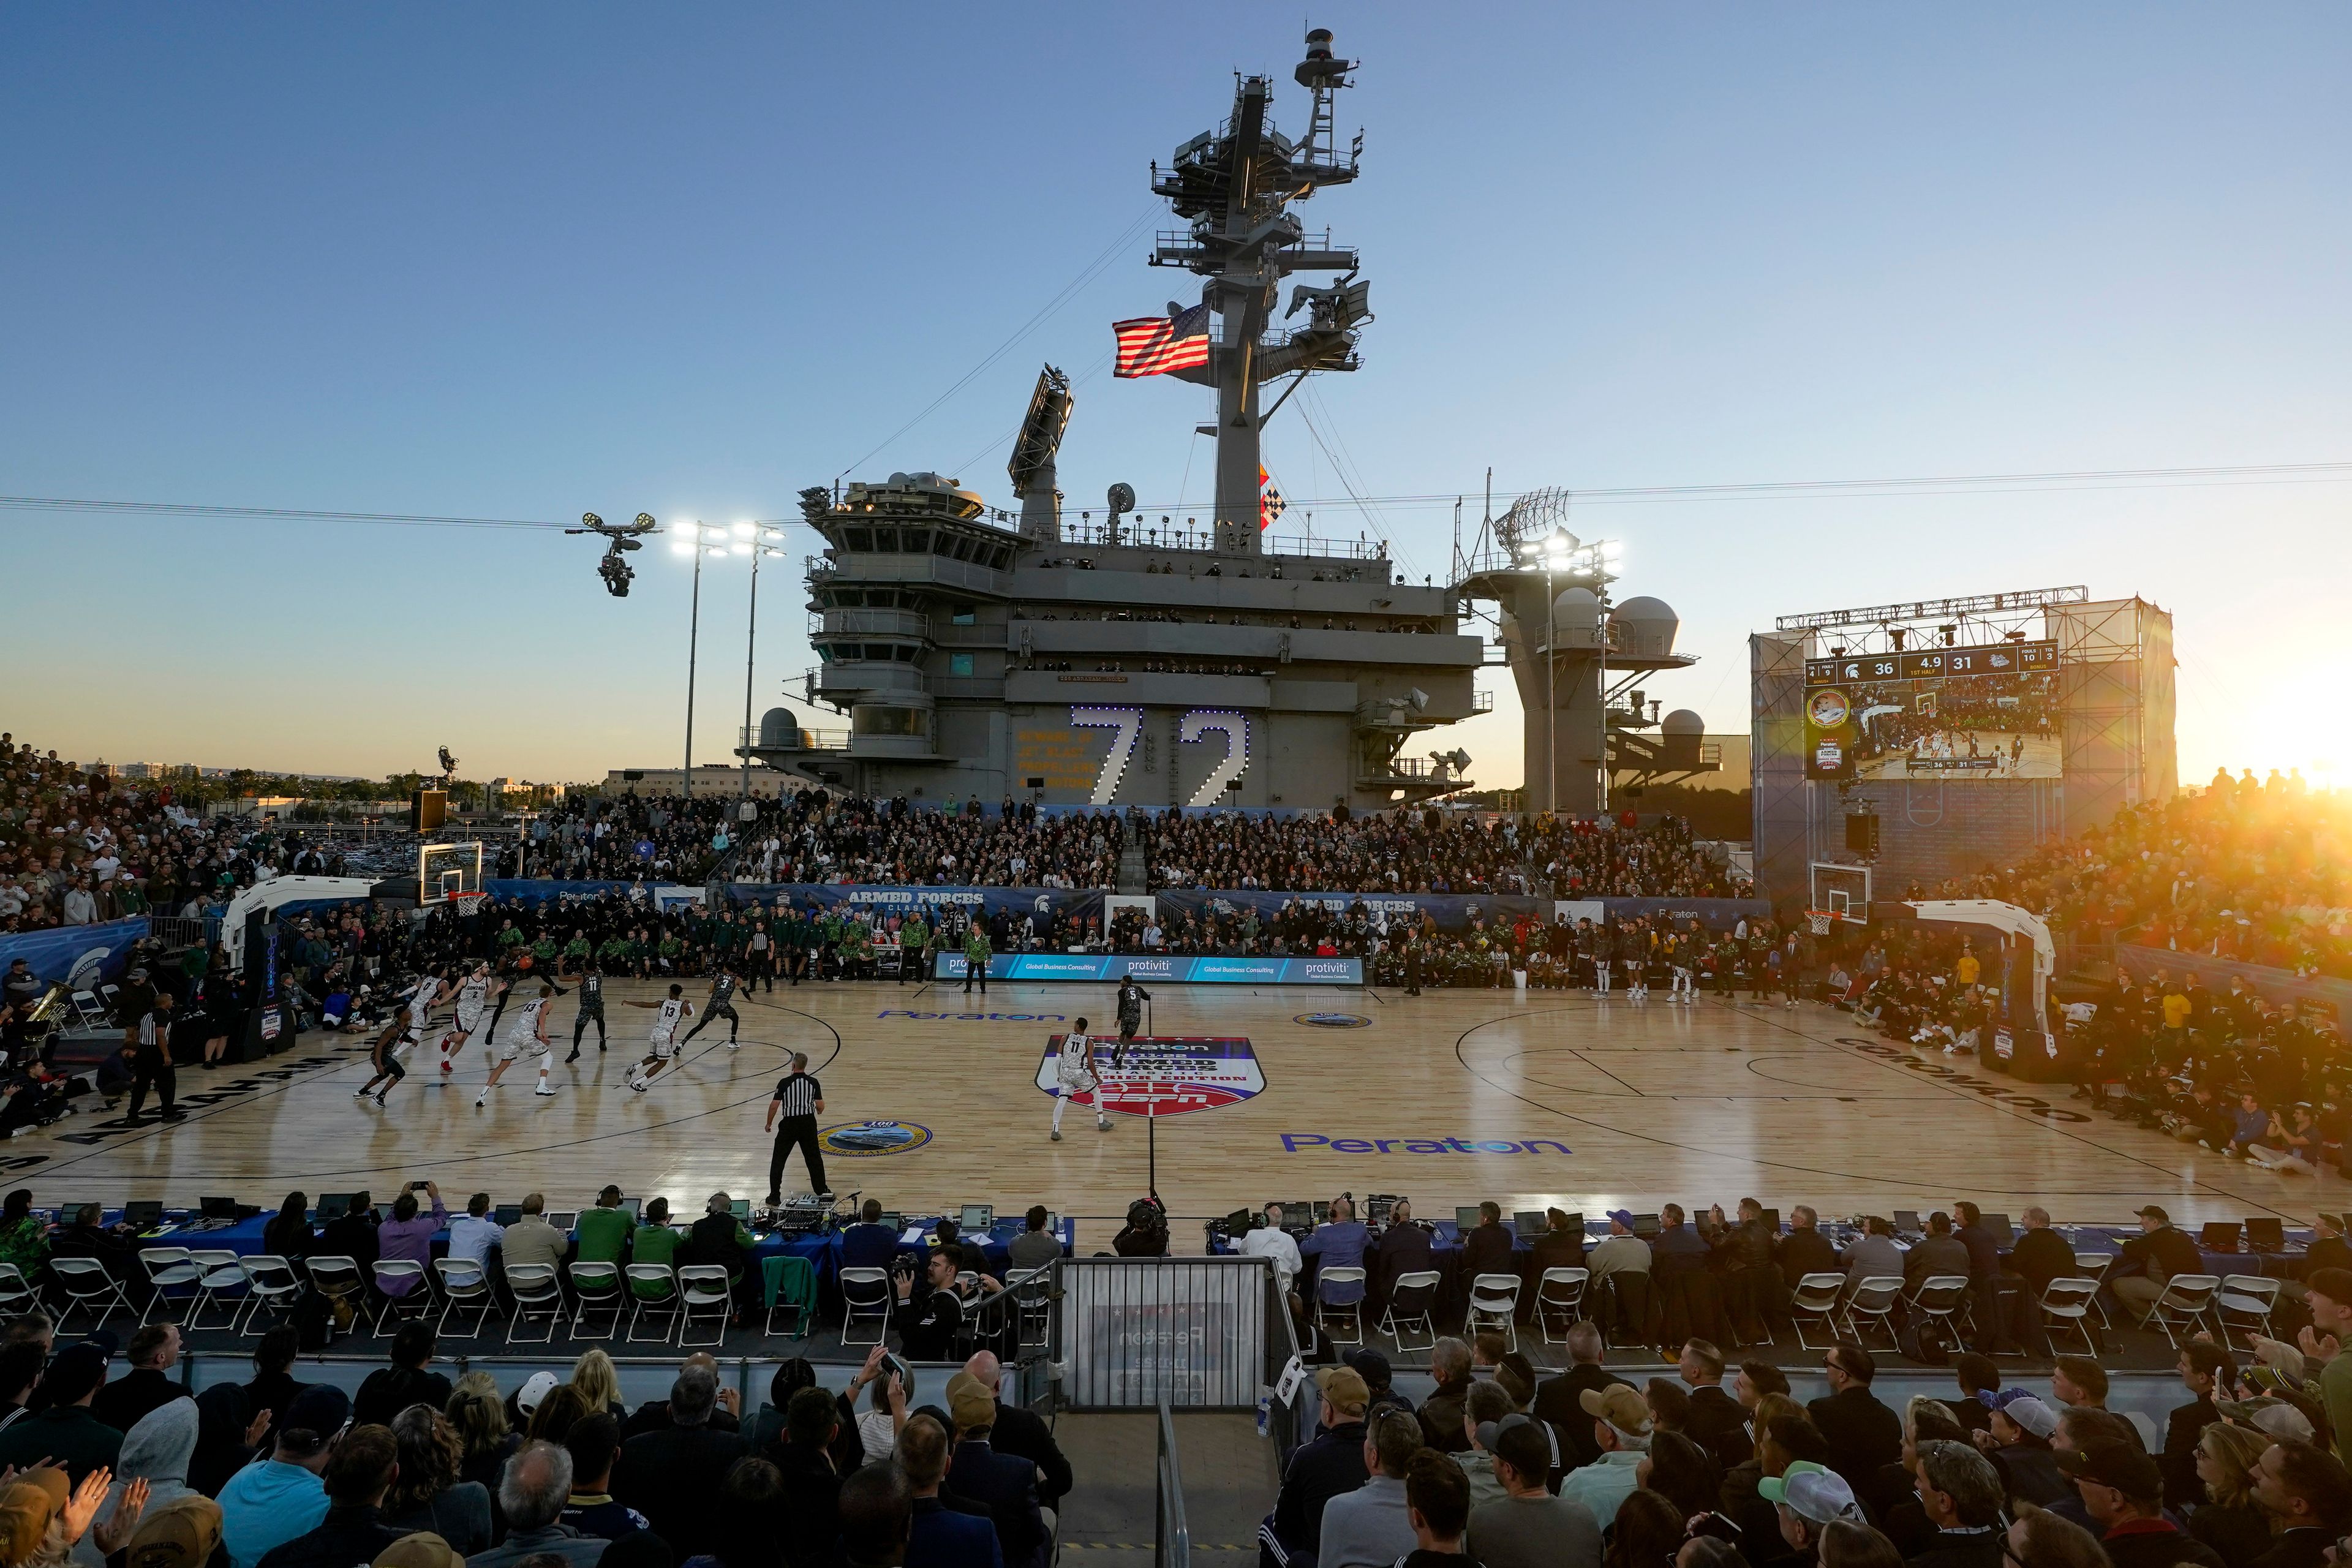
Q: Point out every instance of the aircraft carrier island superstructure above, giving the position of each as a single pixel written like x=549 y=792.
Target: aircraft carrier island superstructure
x=1148 y=661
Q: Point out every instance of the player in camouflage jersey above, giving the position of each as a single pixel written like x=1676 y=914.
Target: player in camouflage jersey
x=721 y=1006
x=591 y=986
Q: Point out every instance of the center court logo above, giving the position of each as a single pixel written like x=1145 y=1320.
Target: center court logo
x=1333 y=1020
x=1164 y=1075
x=867 y=1139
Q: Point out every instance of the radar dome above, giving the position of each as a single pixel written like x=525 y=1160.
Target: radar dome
x=1683 y=722
x=779 y=728
x=1645 y=626
x=1576 y=618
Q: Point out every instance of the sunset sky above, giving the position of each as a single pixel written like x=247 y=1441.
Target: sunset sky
x=525 y=261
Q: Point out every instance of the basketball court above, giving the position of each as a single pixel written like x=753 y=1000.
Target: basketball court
x=932 y=1100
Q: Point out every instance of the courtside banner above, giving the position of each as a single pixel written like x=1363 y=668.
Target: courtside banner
x=1452 y=912
x=1097 y=967
x=887 y=900
x=82 y=956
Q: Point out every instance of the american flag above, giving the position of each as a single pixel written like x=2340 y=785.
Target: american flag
x=1154 y=346
x=1271 y=503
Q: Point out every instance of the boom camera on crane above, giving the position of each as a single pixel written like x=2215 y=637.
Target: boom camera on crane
x=615 y=568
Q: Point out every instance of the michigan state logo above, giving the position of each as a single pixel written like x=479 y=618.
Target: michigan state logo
x=867 y=1139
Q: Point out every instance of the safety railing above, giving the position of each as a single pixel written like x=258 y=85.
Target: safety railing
x=1135 y=1333
x=1171 y=1539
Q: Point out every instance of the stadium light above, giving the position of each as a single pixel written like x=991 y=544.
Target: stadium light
x=744 y=529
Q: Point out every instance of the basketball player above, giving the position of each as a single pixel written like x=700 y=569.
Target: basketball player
x=663 y=1043
x=529 y=1024
x=721 y=1006
x=1075 y=1071
x=1131 y=998
x=473 y=994
x=431 y=990
x=386 y=1054
x=1685 y=961
x=592 y=1006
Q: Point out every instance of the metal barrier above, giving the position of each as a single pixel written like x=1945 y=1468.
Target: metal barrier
x=1172 y=1542
x=181 y=931
x=1136 y=1332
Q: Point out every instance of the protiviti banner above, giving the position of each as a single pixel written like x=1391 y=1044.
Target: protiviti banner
x=1452 y=912
x=1099 y=967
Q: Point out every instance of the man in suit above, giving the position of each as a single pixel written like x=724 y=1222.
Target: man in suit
x=1023 y=1433
x=2040 y=1254
x=677 y=1476
x=1998 y=1301
x=1003 y=1485
x=1559 y=1401
x=1403 y=1248
x=1561 y=1246
x=352 y=1234
x=1861 y=1433
x=948 y=1530
x=1804 y=1251
x=1486 y=1247
x=1717 y=1423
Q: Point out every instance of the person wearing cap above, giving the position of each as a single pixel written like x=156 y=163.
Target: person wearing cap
x=265 y=1505
x=63 y=1431
x=1380 y=1379
x=2017 y=1439
x=1620 y=1431
x=1528 y=1527
x=1862 y=1433
x=1006 y=1486
x=2163 y=1251
x=2123 y=1491
x=1330 y=1463
x=2206 y=1369
x=2328 y=1294
x=421 y=1550
x=1959 y=1491
x=180 y=1533
x=1620 y=1252
x=1806 y=1497
x=1558 y=1401
x=1371 y=1527
x=409 y=1380
x=358 y=1474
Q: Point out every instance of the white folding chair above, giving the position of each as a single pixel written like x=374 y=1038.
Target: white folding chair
x=271 y=1286
x=597 y=1287
x=2095 y=1267
x=536 y=1293
x=1495 y=1304
x=2246 y=1301
x=2185 y=1302
x=1411 y=1300
x=653 y=1287
x=703 y=1291
x=2070 y=1301
x=1560 y=1294
x=168 y=1269
x=222 y=1280
x=15 y=1296
x=1942 y=1297
x=84 y=1282
x=864 y=1293
x=465 y=1287
x=1875 y=1297
x=337 y=1276
x=1329 y=1313
x=1815 y=1299
x=412 y=1301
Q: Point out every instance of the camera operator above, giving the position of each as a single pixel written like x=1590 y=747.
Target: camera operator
x=930 y=1313
x=1146 y=1234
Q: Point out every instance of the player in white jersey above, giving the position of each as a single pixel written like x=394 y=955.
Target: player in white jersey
x=474 y=994
x=527 y=1027
x=667 y=1017
x=1076 y=1073
x=429 y=992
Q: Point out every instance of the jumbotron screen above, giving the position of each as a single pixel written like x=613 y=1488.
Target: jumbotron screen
x=1947 y=715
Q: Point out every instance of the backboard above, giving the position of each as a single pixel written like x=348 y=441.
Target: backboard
x=445 y=869
x=1840 y=891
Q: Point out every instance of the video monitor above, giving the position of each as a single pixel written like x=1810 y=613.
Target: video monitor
x=217 y=1208
x=1322 y=1211
x=145 y=1214
x=2266 y=1233
x=1528 y=1223
x=2220 y=1236
x=508 y=1214
x=1466 y=1217
x=1237 y=1222
x=896 y=1222
x=976 y=1218
x=741 y=1208
x=1946 y=715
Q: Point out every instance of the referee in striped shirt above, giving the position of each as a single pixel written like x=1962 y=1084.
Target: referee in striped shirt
x=800 y=1099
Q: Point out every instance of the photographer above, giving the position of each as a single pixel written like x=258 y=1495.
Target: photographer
x=1146 y=1234
x=930 y=1314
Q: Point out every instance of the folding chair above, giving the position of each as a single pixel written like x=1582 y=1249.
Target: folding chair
x=2070 y=1301
x=411 y=1302
x=597 y=1287
x=1033 y=1299
x=1875 y=1297
x=652 y=1289
x=1815 y=1299
x=271 y=1285
x=2186 y=1299
x=1411 y=1301
x=2246 y=1301
x=1329 y=1312
x=1495 y=1304
x=84 y=1282
x=168 y=1269
x=2095 y=1267
x=703 y=1287
x=15 y=1296
x=864 y=1293
x=465 y=1286
x=1560 y=1291
x=1944 y=1298
x=222 y=1272
x=536 y=1292
x=338 y=1279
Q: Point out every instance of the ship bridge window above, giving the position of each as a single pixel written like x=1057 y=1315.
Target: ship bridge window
x=859 y=538
x=960 y=664
x=824 y=653
x=880 y=720
x=919 y=542
x=906 y=653
x=956 y=546
x=1000 y=558
x=960 y=615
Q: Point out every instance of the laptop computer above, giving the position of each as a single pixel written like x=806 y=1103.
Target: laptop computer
x=741 y=1208
x=1238 y=1222
x=976 y=1218
x=1465 y=1218
x=636 y=1207
x=1646 y=1226
x=2003 y=1232
x=563 y=1219
x=2265 y=1233
x=333 y=1205
x=1528 y=1223
x=217 y=1208
x=508 y=1214
x=895 y=1221
x=1906 y=1222
x=2220 y=1236
x=145 y=1214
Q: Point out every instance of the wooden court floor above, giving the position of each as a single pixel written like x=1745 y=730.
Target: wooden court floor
x=1448 y=1098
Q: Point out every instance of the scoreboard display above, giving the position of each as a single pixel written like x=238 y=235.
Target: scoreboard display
x=1935 y=664
x=1988 y=712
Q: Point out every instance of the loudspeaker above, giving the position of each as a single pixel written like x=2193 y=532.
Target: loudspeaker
x=427 y=810
x=1862 y=833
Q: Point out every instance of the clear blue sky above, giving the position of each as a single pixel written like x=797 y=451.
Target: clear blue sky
x=529 y=261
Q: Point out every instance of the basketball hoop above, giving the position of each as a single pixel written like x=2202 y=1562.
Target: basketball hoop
x=1820 y=921
x=466 y=902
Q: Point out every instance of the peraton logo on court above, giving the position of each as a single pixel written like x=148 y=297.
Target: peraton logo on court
x=1164 y=1075
x=1295 y=1142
